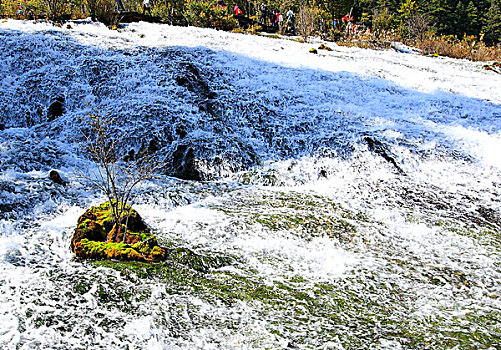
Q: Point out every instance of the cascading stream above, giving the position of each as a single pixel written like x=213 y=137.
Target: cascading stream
x=339 y=201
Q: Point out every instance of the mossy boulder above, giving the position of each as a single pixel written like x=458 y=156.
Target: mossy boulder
x=97 y=236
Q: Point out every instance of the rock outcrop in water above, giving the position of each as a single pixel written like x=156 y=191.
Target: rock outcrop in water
x=56 y=178
x=380 y=149
x=56 y=109
x=98 y=237
x=208 y=157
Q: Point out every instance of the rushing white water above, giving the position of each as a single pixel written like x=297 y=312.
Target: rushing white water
x=366 y=214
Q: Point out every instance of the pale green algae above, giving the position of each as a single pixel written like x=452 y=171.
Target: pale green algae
x=362 y=310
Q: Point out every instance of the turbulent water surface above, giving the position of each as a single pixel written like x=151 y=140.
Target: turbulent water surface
x=345 y=200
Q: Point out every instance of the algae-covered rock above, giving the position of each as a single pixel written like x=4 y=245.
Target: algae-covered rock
x=98 y=237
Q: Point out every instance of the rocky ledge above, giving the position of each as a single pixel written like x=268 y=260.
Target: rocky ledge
x=98 y=237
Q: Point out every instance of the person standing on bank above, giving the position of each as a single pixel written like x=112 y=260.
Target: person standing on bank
x=264 y=10
x=280 y=20
x=120 y=6
x=146 y=6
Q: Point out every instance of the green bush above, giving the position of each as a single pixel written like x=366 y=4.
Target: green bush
x=24 y=10
x=102 y=11
x=382 y=22
x=208 y=14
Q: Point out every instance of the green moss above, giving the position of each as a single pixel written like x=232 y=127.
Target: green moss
x=355 y=311
x=97 y=237
x=307 y=214
x=103 y=250
x=345 y=310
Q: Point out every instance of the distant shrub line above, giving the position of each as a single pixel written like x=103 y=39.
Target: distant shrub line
x=363 y=23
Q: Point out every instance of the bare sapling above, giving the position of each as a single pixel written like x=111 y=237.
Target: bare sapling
x=119 y=177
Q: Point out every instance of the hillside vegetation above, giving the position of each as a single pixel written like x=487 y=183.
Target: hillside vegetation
x=455 y=28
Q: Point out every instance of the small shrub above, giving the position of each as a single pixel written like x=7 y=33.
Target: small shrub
x=31 y=9
x=370 y=40
x=208 y=14
x=103 y=11
x=255 y=29
x=57 y=9
x=238 y=30
x=469 y=47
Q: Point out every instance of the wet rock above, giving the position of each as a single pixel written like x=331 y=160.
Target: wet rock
x=56 y=109
x=130 y=156
x=198 y=262
x=56 y=178
x=323 y=47
x=153 y=146
x=209 y=157
x=184 y=164
x=97 y=236
x=489 y=215
x=195 y=81
x=377 y=147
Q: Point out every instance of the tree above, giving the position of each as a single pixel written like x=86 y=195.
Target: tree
x=56 y=9
x=103 y=11
x=407 y=9
x=118 y=177
x=309 y=18
x=382 y=21
x=441 y=15
x=418 y=26
x=492 y=28
x=473 y=19
x=460 y=19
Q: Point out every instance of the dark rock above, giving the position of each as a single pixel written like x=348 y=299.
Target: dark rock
x=153 y=146
x=195 y=82
x=56 y=109
x=208 y=157
x=56 y=178
x=184 y=163
x=490 y=215
x=2 y=127
x=29 y=121
x=130 y=17
x=181 y=131
x=182 y=81
x=380 y=149
x=130 y=156
x=97 y=236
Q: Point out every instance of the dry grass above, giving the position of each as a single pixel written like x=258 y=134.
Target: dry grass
x=468 y=47
x=369 y=40
x=254 y=29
